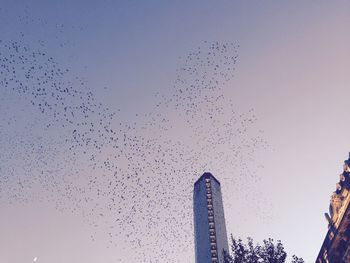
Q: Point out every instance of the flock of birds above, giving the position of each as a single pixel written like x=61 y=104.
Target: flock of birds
x=130 y=180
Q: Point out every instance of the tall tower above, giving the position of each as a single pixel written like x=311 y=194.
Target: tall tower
x=209 y=221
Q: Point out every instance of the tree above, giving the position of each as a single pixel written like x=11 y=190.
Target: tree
x=268 y=252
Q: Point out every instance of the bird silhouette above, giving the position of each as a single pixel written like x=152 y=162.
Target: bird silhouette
x=129 y=180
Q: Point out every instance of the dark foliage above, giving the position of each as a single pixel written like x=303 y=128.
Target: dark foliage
x=268 y=252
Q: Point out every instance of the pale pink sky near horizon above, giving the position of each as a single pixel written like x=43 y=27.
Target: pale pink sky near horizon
x=293 y=70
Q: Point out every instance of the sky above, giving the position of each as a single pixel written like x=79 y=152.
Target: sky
x=277 y=139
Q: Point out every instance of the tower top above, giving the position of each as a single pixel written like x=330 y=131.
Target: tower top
x=209 y=220
x=206 y=175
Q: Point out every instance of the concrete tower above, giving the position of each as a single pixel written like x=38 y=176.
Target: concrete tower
x=209 y=221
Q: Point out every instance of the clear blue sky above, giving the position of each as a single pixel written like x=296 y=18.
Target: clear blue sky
x=292 y=69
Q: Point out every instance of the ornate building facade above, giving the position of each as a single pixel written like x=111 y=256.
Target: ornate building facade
x=209 y=220
x=336 y=246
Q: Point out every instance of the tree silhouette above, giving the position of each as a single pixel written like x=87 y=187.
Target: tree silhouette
x=268 y=252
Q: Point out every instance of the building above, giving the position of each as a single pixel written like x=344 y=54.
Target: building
x=336 y=246
x=209 y=221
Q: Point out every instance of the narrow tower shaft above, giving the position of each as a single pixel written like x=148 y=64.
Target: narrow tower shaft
x=209 y=220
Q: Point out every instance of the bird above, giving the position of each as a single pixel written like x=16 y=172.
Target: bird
x=133 y=178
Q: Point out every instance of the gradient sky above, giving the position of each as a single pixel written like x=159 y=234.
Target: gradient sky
x=293 y=70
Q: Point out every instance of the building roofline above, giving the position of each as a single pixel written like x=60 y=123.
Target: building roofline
x=327 y=242
x=206 y=175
